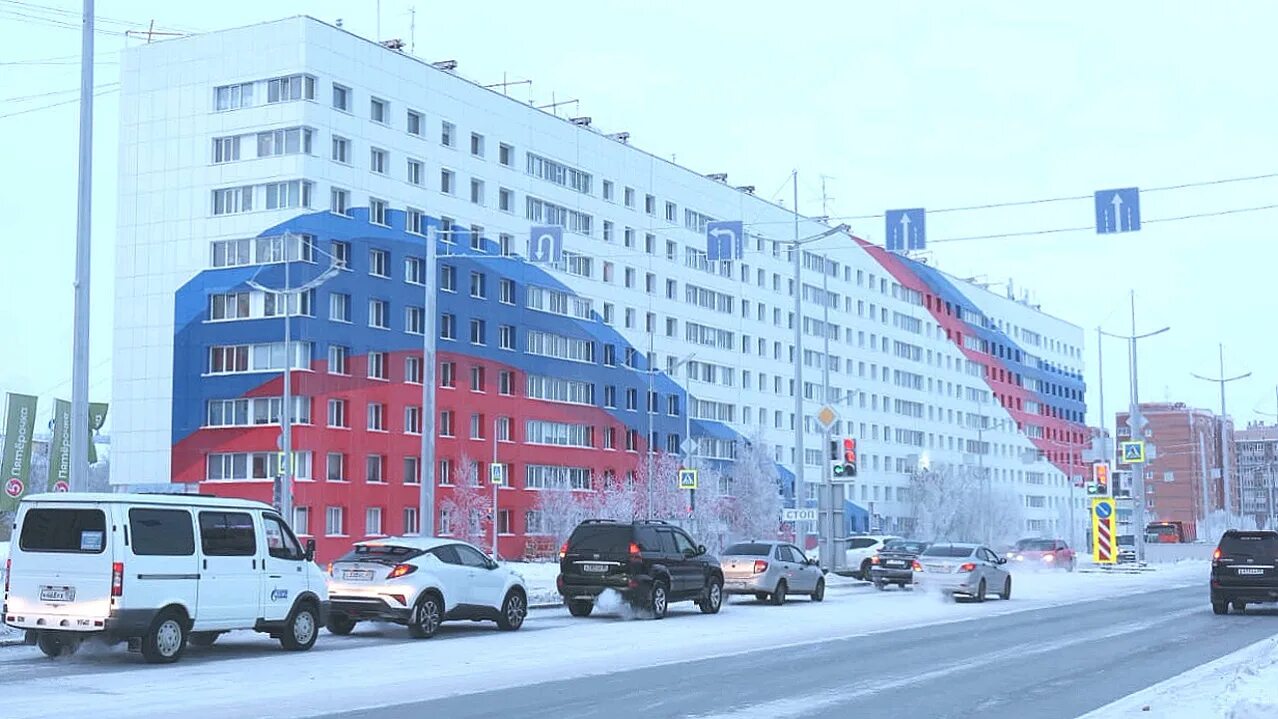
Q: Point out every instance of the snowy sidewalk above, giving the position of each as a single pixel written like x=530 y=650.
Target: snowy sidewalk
x=1242 y=685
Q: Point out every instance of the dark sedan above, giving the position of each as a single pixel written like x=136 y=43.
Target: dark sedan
x=894 y=562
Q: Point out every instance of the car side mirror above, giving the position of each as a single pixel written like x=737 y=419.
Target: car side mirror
x=813 y=561
x=310 y=550
x=701 y=549
x=1002 y=560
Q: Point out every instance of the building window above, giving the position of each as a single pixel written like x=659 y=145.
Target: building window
x=446 y=423
x=479 y=285
x=377 y=213
x=337 y=413
x=302 y=521
x=232 y=97
x=410 y=513
x=339 y=360
x=415 y=267
x=506 y=337
x=233 y=200
x=650 y=204
x=476 y=144
x=506 y=291
x=415 y=123
x=379 y=263
x=447 y=278
x=506 y=244
x=334 y=522
x=288 y=141
x=341 y=97
x=414 y=320
x=476 y=426
x=341 y=252
x=506 y=383
x=477 y=237
x=608 y=190
x=413 y=370
x=339 y=307
x=506 y=155
x=414 y=222
x=447 y=326
x=379 y=110
x=340 y=202
x=448 y=374
x=415 y=172
x=373 y=469
x=445 y=472
x=373 y=522
x=377 y=159
x=226 y=149
x=335 y=467
x=672 y=212
x=446 y=181
x=341 y=150
x=292 y=193
x=447 y=134
x=376 y=417
x=477 y=332
x=377 y=365
x=379 y=314
x=477 y=191
x=503 y=522
x=477 y=378
x=293 y=87
x=505 y=200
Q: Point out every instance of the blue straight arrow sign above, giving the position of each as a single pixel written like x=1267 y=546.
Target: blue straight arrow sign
x=905 y=230
x=1117 y=210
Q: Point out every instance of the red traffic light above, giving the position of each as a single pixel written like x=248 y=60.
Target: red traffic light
x=849 y=450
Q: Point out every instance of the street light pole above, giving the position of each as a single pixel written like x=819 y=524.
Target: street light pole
x=80 y=436
x=430 y=312
x=1226 y=480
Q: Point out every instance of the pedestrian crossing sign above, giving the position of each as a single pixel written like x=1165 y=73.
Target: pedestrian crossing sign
x=687 y=479
x=1133 y=452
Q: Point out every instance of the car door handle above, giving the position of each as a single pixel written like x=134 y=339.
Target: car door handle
x=277 y=576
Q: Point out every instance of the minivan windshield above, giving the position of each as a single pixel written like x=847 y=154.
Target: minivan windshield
x=76 y=531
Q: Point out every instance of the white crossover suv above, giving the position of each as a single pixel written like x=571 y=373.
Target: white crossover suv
x=422 y=582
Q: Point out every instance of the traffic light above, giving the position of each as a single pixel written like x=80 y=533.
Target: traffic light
x=1100 y=479
x=844 y=465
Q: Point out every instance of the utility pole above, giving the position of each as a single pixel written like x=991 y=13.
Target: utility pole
x=492 y=472
x=1226 y=479
x=800 y=493
x=430 y=382
x=80 y=434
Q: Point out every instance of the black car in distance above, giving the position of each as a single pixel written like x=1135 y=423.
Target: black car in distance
x=1244 y=570
x=649 y=563
x=894 y=563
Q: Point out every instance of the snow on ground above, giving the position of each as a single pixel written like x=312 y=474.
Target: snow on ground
x=466 y=657
x=1242 y=685
x=539 y=580
x=5 y=632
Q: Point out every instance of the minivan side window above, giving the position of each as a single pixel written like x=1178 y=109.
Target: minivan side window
x=227 y=534
x=77 y=531
x=161 y=532
x=280 y=542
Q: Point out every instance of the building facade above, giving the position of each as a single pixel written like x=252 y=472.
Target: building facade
x=1256 y=447
x=297 y=137
x=1183 y=480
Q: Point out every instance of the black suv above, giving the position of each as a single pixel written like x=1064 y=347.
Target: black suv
x=1243 y=570
x=650 y=563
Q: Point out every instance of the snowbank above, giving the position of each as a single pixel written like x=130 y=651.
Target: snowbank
x=539 y=578
x=1236 y=686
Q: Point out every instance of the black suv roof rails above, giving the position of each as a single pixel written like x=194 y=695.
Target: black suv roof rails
x=620 y=521
x=651 y=521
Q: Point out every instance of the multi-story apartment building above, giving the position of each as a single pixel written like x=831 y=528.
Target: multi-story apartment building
x=1183 y=480
x=234 y=140
x=1256 y=447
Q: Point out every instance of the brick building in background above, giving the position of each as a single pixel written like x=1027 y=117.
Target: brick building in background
x=1184 y=476
x=1257 y=450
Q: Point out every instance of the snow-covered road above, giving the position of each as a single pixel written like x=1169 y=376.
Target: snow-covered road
x=247 y=675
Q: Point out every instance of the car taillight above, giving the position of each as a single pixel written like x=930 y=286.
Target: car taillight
x=760 y=566
x=8 y=570
x=1215 y=556
x=563 y=550
x=401 y=570
x=967 y=566
x=117 y=579
x=916 y=566
x=635 y=551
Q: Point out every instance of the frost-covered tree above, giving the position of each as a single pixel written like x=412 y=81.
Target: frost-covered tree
x=614 y=498
x=561 y=509
x=470 y=505
x=662 y=488
x=755 y=489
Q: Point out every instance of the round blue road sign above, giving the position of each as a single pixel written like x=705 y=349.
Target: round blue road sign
x=1104 y=509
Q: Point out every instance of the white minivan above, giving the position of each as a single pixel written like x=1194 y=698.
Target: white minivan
x=158 y=571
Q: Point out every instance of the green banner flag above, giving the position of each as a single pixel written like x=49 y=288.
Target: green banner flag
x=60 y=448
x=15 y=459
x=96 y=419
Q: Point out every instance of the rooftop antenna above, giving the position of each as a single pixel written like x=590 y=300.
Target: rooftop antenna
x=554 y=104
x=505 y=83
x=339 y=22
x=825 y=196
x=412 y=30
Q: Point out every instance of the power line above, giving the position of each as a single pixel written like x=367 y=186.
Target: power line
x=25 y=98
x=55 y=104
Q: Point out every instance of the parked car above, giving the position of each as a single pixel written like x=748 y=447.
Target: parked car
x=861 y=550
x=971 y=570
x=128 y=567
x=894 y=563
x=1243 y=570
x=650 y=563
x=771 y=571
x=1127 y=548
x=421 y=582
x=1051 y=553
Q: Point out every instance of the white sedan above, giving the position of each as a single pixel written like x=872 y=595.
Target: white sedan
x=963 y=569
x=421 y=582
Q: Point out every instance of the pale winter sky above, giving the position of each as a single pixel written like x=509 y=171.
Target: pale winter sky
x=896 y=104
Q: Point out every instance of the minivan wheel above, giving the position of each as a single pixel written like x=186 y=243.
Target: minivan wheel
x=165 y=640
x=56 y=645
x=426 y=617
x=202 y=639
x=340 y=624
x=658 y=600
x=580 y=607
x=778 y=594
x=714 y=598
x=301 y=630
x=1216 y=608
x=513 y=610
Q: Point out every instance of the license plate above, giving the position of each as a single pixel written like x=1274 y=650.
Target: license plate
x=939 y=568
x=57 y=594
x=594 y=568
x=894 y=564
x=358 y=575
x=1250 y=570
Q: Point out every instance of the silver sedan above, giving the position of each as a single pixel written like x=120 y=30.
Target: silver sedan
x=771 y=570
x=971 y=570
